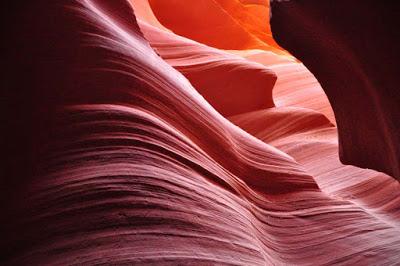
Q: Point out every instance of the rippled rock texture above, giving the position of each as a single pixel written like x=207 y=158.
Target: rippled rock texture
x=138 y=134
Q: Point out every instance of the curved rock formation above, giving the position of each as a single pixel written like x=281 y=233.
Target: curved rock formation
x=295 y=85
x=215 y=73
x=352 y=48
x=130 y=164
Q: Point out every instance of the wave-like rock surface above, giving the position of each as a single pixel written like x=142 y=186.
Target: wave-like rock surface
x=215 y=73
x=129 y=163
x=295 y=85
x=352 y=48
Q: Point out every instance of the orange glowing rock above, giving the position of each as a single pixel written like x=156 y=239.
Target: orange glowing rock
x=227 y=24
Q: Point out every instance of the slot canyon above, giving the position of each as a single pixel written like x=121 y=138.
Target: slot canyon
x=201 y=132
